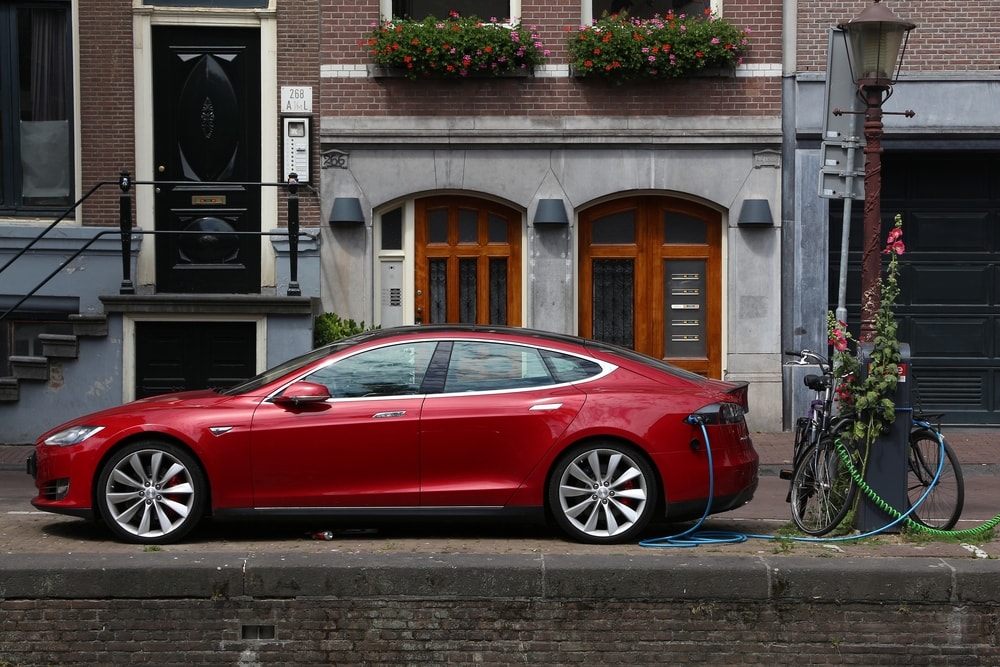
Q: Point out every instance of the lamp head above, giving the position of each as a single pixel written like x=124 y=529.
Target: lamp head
x=876 y=40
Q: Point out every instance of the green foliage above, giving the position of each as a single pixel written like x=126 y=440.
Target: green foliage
x=870 y=400
x=623 y=48
x=454 y=47
x=329 y=327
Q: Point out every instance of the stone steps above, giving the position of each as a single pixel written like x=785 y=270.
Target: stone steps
x=55 y=347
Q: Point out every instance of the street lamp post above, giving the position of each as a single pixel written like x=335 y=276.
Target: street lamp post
x=876 y=40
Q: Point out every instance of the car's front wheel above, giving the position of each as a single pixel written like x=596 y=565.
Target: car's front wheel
x=602 y=493
x=151 y=493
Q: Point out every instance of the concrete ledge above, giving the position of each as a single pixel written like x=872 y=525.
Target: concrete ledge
x=154 y=575
x=159 y=575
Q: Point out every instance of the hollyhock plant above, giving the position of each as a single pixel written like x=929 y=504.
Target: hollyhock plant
x=869 y=400
x=454 y=47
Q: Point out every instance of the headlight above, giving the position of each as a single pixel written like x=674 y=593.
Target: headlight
x=72 y=436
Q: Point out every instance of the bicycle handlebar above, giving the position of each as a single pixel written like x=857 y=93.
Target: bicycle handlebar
x=807 y=358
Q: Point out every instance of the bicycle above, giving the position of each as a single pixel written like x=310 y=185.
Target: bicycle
x=822 y=491
x=942 y=507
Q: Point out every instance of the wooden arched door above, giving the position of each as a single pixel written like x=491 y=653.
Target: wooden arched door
x=651 y=279
x=468 y=261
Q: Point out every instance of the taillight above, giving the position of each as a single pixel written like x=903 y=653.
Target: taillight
x=730 y=413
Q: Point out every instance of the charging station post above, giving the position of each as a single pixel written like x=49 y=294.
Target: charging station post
x=886 y=469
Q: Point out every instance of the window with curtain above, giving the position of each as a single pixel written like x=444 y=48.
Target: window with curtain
x=36 y=159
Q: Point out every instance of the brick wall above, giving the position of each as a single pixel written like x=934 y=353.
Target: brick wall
x=949 y=37
x=494 y=632
x=299 y=39
x=344 y=34
x=107 y=115
x=287 y=606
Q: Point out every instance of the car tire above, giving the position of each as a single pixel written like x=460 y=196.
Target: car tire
x=602 y=493
x=151 y=492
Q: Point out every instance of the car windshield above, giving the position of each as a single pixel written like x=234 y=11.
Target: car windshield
x=273 y=374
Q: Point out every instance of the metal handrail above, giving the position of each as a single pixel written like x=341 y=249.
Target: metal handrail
x=125 y=231
x=55 y=222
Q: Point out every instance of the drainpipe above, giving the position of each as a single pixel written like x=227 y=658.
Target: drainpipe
x=789 y=245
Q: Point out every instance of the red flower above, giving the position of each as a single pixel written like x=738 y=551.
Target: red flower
x=894 y=244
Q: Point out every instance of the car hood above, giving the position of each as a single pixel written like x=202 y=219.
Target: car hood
x=191 y=399
x=133 y=411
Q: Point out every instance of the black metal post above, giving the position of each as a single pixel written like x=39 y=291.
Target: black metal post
x=125 y=230
x=293 y=235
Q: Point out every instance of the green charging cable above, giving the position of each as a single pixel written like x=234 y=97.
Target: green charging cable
x=895 y=514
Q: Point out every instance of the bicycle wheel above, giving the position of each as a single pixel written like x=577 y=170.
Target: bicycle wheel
x=823 y=490
x=942 y=507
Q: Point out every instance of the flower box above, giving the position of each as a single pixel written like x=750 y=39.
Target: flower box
x=453 y=48
x=619 y=48
x=379 y=72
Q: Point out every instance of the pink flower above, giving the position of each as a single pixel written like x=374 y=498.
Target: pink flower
x=894 y=242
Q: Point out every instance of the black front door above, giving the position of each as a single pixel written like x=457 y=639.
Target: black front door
x=175 y=356
x=206 y=101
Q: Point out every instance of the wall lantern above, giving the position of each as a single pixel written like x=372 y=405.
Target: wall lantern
x=551 y=212
x=346 y=210
x=755 y=213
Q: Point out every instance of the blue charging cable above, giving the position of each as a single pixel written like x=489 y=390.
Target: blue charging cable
x=693 y=537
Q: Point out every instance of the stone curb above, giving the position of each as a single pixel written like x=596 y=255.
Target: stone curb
x=158 y=575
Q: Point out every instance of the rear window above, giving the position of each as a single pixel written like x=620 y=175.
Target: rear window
x=645 y=359
x=567 y=368
x=487 y=366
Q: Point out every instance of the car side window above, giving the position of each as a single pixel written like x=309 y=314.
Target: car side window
x=395 y=370
x=478 y=366
x=567 y=368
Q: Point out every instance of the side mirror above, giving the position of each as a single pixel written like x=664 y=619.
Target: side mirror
x=302 y=393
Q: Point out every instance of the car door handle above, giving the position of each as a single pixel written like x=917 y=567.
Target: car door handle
x=389 y=413
x=546 y=406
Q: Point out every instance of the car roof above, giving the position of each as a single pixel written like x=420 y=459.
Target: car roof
x=621 y=353
x=447 y=329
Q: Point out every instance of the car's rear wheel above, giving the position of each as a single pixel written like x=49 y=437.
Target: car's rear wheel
x=602 y=493
x=151 y=492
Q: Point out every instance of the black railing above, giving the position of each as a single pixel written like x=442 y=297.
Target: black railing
x=126 y=232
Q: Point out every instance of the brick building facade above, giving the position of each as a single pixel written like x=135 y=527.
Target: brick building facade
x=675 y=156
x=697 y=147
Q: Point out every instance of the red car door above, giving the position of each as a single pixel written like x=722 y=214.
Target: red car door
x=497 y=418
x=342 y=453
x=358 y=448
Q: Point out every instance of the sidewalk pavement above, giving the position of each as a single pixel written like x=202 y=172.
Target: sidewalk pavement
x=977 y=448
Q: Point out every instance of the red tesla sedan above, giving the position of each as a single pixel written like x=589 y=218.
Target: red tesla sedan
x=428 y=421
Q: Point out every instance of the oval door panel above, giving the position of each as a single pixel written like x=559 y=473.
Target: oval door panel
x=208 y=127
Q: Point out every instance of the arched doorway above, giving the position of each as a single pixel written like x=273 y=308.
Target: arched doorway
x=651 y=279
x=467 y=261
